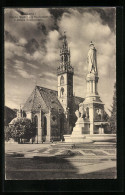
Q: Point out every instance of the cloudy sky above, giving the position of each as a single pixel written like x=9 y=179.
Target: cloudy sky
x=33 y=38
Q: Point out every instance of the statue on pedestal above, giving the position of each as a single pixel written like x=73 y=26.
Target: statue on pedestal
x=77 y=113
x=82 y=113
x=92 y=62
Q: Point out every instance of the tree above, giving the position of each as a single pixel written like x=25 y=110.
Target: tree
x=106 y=116
x=22 y=128
x=113 y=111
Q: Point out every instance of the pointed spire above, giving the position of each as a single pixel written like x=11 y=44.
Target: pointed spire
x=65 y=44
x=65 y=34
x=65 y=57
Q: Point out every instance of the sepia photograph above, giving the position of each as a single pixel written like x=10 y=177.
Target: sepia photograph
x=60 y=104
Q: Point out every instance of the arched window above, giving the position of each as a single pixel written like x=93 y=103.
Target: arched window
x=36 y=126
x=61 y=80
x=36 y=121
x=61 y=92
x=45 y=126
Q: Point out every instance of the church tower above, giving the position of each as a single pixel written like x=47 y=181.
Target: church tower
x=65 y=77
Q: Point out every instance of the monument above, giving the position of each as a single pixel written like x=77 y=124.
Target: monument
x=90 y=122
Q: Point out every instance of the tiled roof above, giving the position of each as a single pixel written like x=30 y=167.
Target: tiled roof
x=29 y=103
x=42 y=98
x=50 y=97
x=46 y=99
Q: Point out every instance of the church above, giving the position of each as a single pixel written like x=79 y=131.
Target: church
x=54 y=111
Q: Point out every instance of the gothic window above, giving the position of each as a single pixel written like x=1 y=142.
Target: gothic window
x=62 y=58
x=36 y=121
x=61 y=80
x=45 y=126
x=62 y=92
x=36 y=126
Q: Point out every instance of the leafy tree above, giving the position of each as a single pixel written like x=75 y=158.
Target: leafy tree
x=113 y=111
x=8 y=133
x=22 y=128
x=106 y=116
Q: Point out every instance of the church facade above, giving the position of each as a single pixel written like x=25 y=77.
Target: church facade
x=54 y=111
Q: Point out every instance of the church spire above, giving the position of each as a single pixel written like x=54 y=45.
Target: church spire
x=65 y=57
x=65 y=44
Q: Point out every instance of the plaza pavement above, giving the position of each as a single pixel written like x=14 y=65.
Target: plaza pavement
x=60 y=161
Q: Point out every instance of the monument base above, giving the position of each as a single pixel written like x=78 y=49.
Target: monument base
x=90 y=138
x=102 y=137
x=77 y=139
x=79 y=133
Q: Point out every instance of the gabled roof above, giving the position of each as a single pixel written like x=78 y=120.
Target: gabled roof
x=50 y=97
x=29 y=103
x=44 y=99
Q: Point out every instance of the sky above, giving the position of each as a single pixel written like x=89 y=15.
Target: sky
x=32 y=42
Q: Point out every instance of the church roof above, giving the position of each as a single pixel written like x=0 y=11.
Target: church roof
x=50 y=97
x=43 y=98
x=46 y=99
x=78 y=100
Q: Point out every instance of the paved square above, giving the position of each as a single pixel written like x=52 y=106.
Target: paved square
x=60 y=161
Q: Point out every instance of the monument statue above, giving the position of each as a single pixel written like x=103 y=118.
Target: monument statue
x=81 y=113
x=92 y=62
x=77 y=113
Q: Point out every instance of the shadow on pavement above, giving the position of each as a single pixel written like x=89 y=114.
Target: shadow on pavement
x=38 y=168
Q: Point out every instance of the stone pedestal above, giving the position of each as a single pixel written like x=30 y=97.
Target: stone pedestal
x=79 y=133
x=79 y=127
